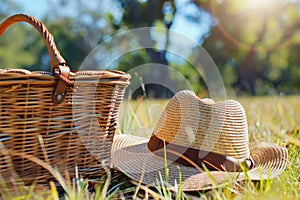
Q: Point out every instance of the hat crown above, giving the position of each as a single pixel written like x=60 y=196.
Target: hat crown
x=204 y=125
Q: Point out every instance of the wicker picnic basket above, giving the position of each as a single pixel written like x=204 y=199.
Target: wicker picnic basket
x=62 y=119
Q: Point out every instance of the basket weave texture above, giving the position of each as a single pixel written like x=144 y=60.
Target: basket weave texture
x=76 y=130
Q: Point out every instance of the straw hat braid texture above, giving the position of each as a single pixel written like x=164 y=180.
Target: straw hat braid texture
x=217 y=127
x=189 y=124
x=268 y=157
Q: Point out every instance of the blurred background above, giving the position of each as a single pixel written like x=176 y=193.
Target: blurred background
x=254 y=43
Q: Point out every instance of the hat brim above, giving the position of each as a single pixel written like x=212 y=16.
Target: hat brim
x=131 y=156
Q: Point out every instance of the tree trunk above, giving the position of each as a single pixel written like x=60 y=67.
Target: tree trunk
x=247 y=74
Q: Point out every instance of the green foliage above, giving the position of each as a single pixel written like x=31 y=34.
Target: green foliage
x=261 y=38
x=70 y=41
x=133 y=59
x=254 y=44
x=13 y=53
x=191 y=75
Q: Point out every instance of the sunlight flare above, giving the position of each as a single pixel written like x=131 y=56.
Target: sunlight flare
x=256 y=4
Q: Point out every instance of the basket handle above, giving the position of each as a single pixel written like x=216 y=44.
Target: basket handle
x=57 y=62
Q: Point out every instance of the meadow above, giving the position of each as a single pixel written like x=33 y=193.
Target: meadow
x=273 y=119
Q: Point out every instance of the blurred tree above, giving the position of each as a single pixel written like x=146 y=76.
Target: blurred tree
x=70 y=41
x=13 y=42
x=254 y=39
x=153 y=13
x=254 y=43
x=77 y=30
x=76 y=33
x=13 y=53
x=146 y=14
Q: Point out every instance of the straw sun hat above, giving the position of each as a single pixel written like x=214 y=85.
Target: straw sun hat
x=201 y=143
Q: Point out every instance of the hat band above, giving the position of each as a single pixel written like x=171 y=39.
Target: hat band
x=190 y=157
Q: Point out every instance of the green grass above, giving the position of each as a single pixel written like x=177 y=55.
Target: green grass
x=271 y=119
